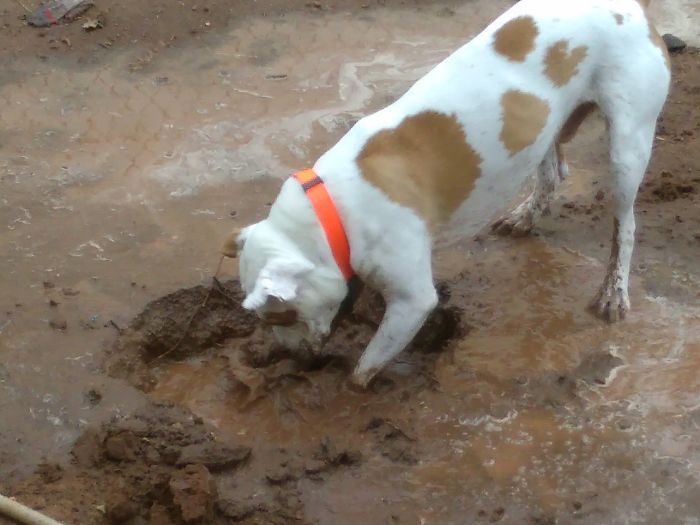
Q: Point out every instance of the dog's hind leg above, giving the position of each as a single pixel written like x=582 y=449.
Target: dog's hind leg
x=630 y=151
x=519 y=221
x=552 y=170
x=631 y=96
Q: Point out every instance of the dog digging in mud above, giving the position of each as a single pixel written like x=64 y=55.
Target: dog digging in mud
x=465 y=135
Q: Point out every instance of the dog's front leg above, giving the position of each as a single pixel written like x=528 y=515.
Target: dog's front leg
x=404 y=316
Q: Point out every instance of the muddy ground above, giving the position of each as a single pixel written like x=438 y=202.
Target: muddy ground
x=135 y=390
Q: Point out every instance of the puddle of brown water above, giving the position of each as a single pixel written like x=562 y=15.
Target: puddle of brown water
x=499 y=423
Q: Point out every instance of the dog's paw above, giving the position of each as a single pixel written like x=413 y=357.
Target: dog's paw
x=610 y=304
x=361 y=378
x=517 y=223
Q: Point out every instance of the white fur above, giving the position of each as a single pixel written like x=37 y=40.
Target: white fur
x=623 y=72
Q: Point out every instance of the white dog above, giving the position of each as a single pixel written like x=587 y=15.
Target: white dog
x=469 y=132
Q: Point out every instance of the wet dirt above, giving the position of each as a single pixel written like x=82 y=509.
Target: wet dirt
x=123 y=168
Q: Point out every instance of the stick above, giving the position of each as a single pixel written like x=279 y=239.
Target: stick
x=251 y=93
x=219 y=288
x=120 y=330
x=22 y=514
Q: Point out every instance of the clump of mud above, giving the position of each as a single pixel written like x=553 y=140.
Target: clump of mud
x=163 y=466
x=668 y=188
x=154 y=467
x=210 y=321
x=562 y=388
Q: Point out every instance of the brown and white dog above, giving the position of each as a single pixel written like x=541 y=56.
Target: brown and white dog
x=466 y=134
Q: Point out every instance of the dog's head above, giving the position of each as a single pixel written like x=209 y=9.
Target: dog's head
x=296 y=296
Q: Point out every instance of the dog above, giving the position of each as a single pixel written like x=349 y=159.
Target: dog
x=468 y=133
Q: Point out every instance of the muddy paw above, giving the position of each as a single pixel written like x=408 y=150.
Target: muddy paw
x=515 y=224
x=361 y=378
x=610 y=305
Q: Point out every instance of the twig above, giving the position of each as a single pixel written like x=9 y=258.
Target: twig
x=251 y=93
x=120 y=330
x=24 y=6
x=220 y=289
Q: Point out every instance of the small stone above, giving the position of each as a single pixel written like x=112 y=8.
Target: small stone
x=158 y=515
x=121 y=510
x=87 y=449
x=58 y=324
x=194 y=493
x=673 y=43
x=121 y=447
x=93 y=397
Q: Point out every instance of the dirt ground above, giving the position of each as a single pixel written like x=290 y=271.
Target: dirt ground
x=134 y=389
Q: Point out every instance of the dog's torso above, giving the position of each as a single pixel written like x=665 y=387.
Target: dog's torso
x=467 y=135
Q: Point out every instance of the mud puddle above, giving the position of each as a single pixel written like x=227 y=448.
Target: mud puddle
x=514 y=407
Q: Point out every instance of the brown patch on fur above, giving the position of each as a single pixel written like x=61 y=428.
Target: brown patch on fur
x=644 y=3
x=575 y=120
x=516 y=38
x=425 y=164
x=619 y=18
x=659 y=42
x=524 y=117
x=561 y=64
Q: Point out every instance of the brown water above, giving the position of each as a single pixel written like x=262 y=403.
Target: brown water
x=119 y=180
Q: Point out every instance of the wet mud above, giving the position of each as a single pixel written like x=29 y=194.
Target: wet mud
x=136 y=390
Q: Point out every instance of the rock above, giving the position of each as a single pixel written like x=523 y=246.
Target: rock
x=93 y=397
x=121 y=447
x=194 y=493
x=87 y=450
x=314 y=467
x=392 y=442
x=216 y=457
x=50 y=472
x=239 y=505
x=158 y=515
x=121 y=509
x=330 y=454
x=58 y=324
x=235 y=510
x=673 y=43
x=596 y=367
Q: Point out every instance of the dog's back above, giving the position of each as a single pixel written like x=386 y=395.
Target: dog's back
x=492 y=109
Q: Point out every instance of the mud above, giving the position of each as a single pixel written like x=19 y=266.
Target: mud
x=134 y=389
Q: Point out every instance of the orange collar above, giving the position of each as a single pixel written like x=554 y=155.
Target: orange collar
x=328 y=216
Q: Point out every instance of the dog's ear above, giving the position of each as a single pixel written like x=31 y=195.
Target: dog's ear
x=279 y=278
x=234 y=242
